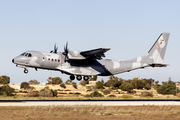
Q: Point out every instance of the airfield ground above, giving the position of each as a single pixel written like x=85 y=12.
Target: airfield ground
x=90 y=112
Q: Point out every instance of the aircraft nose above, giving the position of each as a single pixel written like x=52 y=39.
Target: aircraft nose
x=13 y=60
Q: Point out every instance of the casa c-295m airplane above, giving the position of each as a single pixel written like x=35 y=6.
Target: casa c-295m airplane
x=89 y=63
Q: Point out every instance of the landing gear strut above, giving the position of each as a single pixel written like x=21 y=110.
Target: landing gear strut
x=25 y=71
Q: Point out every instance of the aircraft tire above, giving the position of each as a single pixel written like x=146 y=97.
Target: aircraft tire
x=86 y=78
x=72 y=77
x=25 y=71
x=79 y=77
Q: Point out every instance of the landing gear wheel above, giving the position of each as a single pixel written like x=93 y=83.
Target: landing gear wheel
x=72 y=77
x=79 y=77
x=25 y=71
x=86 y=78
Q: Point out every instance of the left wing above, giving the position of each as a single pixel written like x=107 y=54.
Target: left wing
x=96 y=53
x=91 y=54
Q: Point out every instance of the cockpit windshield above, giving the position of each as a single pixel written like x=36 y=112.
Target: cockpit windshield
x=26 y=54
x=22 y=54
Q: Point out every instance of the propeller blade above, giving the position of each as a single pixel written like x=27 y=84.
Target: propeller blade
x=66 y=50
x=55 y=48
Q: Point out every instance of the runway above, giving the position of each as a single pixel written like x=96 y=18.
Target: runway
x=88 y=102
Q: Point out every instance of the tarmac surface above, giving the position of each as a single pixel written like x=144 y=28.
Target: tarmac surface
x=88 y=102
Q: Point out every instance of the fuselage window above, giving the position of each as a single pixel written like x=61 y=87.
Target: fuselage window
x=51 y=59
x=48 y=59
x=55 y=60
x=58 y=60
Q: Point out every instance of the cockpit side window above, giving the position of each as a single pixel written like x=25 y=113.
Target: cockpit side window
x=29 y=55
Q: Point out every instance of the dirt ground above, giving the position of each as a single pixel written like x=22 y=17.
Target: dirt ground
x=90 y=113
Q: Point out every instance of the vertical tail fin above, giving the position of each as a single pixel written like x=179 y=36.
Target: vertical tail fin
x=157 y=52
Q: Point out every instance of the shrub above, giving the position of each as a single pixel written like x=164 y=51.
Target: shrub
x=146 y=94
x=111 y=96
x=25 y=85
x=4 y=79
x=74 y=85
x=54 y=81
x=127 y=96
x=105 y=92
x=126 y=87
x=167 y=89
x=33 y=93
x=77 y=93
x=99 y=85
x=45 y=89
x=24 y=92
x=6 y=90
x=88 y=87
x=96 y=94
x=54 y=92
x=63 y=85
x=62 y=93
x=46 y=94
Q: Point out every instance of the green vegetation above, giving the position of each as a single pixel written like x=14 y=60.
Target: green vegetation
x=4 y=79
x=105 y=92
x=99 y=85
x=110 y=88
x=126 y=87
x=68 y=82
x=167 y=88
x=74 y=85
x=62 y=85
x=34 y=82
x=33 y=93
x=94 y=78
x=111 y=96
x=6 y=90
x=25 y=85
x=95 y=94
x=127 y=97
x=54 y=81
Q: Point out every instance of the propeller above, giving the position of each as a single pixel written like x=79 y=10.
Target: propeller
x=55 y=49
x=65 y=53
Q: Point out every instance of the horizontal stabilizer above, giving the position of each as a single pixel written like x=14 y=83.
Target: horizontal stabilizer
x=158 y=65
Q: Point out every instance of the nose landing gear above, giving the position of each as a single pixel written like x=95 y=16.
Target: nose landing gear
x=25 y=71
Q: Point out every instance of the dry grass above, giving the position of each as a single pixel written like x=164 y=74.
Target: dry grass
x=87 y=112
x=79 y=97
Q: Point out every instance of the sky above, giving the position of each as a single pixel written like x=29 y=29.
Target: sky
x=128 y=27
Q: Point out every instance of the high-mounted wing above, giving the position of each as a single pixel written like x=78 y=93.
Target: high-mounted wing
x=96 y=53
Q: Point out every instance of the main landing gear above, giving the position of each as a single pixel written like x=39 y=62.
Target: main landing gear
x=79 y=77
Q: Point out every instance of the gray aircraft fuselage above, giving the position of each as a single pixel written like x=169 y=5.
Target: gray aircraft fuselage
x=89 y=63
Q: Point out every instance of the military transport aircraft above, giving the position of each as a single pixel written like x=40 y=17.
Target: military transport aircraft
x=88 y=63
